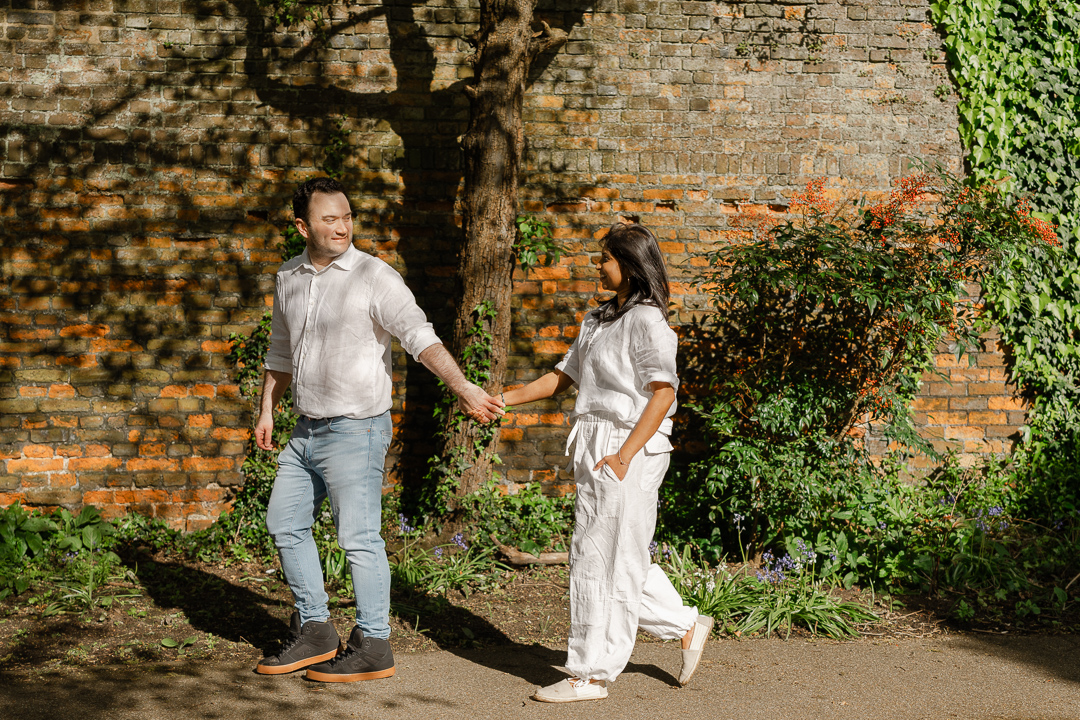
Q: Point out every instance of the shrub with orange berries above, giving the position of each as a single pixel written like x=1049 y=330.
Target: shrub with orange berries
x=828 y=319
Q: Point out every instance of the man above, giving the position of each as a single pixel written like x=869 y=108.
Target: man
x=335 y=309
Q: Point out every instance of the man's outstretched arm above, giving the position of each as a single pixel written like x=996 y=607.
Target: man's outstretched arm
x=475 y=403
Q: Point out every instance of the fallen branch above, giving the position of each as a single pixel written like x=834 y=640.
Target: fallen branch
x=516 y=557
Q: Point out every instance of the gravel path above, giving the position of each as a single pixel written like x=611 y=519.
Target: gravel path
x=957 y=676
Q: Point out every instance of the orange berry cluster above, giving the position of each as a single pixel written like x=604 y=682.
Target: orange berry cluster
x=813 y=199
x=1043 y=229
x=909 y=190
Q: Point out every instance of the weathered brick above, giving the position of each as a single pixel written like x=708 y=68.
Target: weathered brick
x=155 y=234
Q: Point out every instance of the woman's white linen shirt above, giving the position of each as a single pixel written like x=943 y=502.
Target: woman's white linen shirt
x=331 y=331
x=613 y=364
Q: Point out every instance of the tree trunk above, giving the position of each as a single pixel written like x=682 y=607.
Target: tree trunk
x=493 y=148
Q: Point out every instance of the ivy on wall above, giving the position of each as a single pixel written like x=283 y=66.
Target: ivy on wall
x=1016 y=66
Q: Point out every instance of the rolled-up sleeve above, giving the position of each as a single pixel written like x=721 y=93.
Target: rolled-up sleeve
x=393 y=306
x=654 y=347
x=279 y=354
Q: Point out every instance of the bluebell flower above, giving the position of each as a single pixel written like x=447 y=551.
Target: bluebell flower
x=404 y=526
x=995 y=511
x=807 y=554
x=459 y=540
x=772 y=569
x=652 y=547
x=438 y=552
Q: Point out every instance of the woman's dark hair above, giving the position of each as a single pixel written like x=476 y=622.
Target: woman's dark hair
x=302 y=197
x=642 y=263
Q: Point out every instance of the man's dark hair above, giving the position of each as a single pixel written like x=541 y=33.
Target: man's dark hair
x=302 y=197
x=642 y=263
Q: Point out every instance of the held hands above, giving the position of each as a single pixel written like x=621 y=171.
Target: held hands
x=478 y=405
x=615 y=463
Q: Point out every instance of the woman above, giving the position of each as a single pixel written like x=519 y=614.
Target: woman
x=623 y=363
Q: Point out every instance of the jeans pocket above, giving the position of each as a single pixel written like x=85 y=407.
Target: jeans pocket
x=349 y=426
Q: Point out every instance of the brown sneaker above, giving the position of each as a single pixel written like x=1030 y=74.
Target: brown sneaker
x=364 y=658
x=313 y=643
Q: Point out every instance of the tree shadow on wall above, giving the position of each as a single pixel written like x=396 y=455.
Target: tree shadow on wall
x=419 y=223
x=102 y=268
x=120 y=285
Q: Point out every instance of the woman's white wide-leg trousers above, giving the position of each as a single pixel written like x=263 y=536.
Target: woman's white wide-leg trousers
x=615 y=588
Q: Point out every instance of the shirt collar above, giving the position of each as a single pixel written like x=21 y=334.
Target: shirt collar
x=346 y=261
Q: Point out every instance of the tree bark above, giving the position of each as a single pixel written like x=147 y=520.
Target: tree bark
x=493 y=148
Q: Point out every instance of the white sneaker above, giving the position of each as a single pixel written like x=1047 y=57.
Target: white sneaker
x=691 y=655
x=571 y=690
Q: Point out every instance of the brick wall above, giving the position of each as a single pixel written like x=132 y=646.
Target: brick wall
x=150 y=148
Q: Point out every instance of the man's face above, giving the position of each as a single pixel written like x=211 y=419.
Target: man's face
x=328 y=228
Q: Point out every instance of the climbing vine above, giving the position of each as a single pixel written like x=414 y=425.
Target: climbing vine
x=444 y=471
x=1016 y=66
x=535 y=241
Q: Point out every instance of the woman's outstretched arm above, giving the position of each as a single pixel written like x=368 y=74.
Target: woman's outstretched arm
x=547 y=386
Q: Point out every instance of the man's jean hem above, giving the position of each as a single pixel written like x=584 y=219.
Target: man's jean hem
x=341 y=459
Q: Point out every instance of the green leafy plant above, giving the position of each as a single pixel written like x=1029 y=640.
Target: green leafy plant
x=444 y=472
x=291 y=13
x=30 y=541
x=534 y=240
x=21 y=542
x=784 y=593
x=528 y=519
x=457 y=565
x=337 y=150
x=1014 y=64
x=87 y=582
x=824 y=321
x=179 y=645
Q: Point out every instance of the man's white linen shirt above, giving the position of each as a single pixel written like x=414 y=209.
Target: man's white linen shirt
x=331 y=331
x=614 y=363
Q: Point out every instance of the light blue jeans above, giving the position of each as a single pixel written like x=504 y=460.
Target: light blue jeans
x=340 y=458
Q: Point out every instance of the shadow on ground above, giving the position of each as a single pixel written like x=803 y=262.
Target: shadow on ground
x=1057 y=655
x=489 y=646
x=210 y=603
x=149 y=691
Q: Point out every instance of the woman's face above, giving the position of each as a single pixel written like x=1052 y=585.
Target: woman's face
x=611 y=276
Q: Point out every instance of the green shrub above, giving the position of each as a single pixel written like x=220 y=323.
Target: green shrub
x=33 y=543
x=785 y=593
x=823 y=321
x=528 y=519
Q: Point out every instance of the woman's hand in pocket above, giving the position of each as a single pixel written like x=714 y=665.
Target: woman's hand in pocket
x=617 y=466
